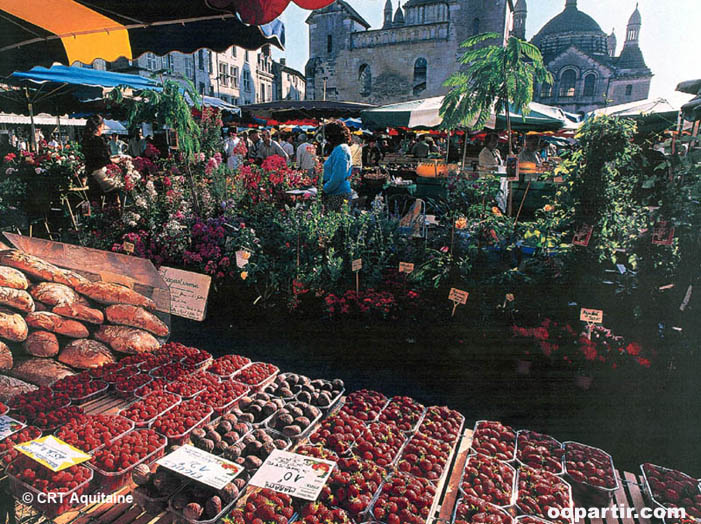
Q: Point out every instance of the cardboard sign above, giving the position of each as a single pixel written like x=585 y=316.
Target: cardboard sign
x=128 y=247
x=591 y=316
x=357 y=265
x=406 y=267
x=512 y=168
x=242 y=256
x=297 y=475
x=663 y=234
x=8 y=426
x=188 y=292
x=582 y=235
x=201 y=466
x=52 y=453
x=458 y=296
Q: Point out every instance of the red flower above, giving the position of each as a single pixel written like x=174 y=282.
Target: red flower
x=643 y=362
x=633 y=349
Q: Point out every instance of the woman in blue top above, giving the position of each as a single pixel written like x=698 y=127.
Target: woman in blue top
x=337 y=168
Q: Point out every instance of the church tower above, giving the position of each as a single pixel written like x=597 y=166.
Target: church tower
x=520 y=15
x=388 y=15
x=633 y=31
x=611 y=41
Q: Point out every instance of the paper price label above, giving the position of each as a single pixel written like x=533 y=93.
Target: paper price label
x=8 y=426
x=406 y=267
x=296 y=475
x=458 y=296
x=201 y=466
x=53 y=453
x=591 y=316
x=357 y=264
x=242 y=256
x=128 y=247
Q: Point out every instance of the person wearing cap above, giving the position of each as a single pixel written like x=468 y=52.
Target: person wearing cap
x=306 y=155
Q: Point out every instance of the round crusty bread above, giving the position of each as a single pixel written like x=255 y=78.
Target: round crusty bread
x=12 y=326
x=48 y=321
x=5 y=356
x=86 y=353
x=14 y=278
x=10 y=386
x=42 y=344
x=41 y=371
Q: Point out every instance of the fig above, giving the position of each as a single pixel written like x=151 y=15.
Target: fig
x=192 y=511
x=141 y=475
x=212 y=507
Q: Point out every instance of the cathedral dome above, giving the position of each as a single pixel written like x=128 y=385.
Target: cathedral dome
x=570 y=20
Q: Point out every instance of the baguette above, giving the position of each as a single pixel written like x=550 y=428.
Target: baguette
x=11 y=277
x=52 y=322
x=16 y=298
x=41 y=371
x=54 y=294
x=70 y=278
x=5 y=357
x=138 y=317
x=85 y=353
x=127 y=339
x=80 y=312
x=10 y=387
x=12 y=326
x=31 y=265
x=41 y=344
x=110 y=293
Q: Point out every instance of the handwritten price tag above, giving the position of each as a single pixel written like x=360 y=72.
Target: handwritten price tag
x=296 y=475
x=53 y=453
x=591 y=316
x=459 y=296
x=357 y=265
x=406 y=267
x=8 y=426
x=201 y=466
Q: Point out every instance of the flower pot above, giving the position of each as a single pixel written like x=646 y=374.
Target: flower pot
x=523 y=367
x=583 y=382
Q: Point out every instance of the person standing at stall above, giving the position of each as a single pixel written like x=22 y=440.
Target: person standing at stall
x=338 y=167
x=530 y=150
x=137 y=143
x=490 y=156
x=269 y=147
x=306 y=155
x=371 y=154
x=421 y=148
x=97 y=158
x=289 y=147
x=233 y=160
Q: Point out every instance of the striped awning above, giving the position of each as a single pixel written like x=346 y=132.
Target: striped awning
x=37 y=32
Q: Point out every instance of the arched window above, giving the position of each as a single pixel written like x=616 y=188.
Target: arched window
x=589 y=84
x=546 y=91
x=420 y=67
x=568 y=81
x=476 y=26
x=365 y=79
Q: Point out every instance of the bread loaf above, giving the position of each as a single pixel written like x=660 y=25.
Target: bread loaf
x=53 y=294
x=41 y=371
x=127 y=339
x=85 y=353
x=5 y=356
x=70 y=278
x=52 y=322
x=135 y=316
x=10 y=386
x=12 y=326
x=80 y=312
x=31 y=265
x=110 y=293
x=16 y=298
x=41 y=344
x=11 y=277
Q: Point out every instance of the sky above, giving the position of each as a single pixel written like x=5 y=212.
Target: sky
x=670 y=36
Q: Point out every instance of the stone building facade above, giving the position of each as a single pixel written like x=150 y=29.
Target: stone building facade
x=410 y=57
x=582 y=59
x=288 y=83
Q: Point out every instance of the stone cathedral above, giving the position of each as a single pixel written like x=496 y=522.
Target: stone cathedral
x=409 y=57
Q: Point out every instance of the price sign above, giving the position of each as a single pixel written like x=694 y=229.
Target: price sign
x=406 y=267
x=296 y=475
x=458 y=296
x=201 y=466
x=583 y=235
x=53 y=453
x=242 y=256
x=591 y=316
x=357 y=265
x=8 y=426
x=128 y=247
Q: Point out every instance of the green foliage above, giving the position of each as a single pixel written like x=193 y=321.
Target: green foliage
x=493 y=78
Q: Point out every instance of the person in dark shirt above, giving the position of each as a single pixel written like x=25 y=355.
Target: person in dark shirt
x=97 y=158
x=371 y=154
